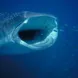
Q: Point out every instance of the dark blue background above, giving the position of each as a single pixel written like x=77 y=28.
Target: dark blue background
x=58 y=61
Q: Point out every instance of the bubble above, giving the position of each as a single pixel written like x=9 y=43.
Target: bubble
x=33 y=30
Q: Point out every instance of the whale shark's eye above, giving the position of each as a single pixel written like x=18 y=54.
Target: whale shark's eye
x=35 y=31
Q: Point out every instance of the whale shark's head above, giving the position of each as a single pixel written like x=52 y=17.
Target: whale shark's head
x=35 y=31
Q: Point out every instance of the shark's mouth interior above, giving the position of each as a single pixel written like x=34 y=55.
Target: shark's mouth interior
x=32 y=36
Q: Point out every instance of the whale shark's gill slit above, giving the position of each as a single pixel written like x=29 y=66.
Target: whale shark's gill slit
x=32 y=36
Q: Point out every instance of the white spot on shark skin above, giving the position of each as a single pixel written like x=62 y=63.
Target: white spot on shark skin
x=25 y=21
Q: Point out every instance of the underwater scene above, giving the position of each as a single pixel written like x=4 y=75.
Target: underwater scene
x=38 y=39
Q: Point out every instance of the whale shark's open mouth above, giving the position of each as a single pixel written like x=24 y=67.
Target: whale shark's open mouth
x=36 y=32
x=36 y=29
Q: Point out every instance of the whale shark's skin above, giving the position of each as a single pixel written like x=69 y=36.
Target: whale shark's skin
x=13 y=23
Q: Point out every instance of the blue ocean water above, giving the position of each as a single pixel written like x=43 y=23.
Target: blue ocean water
x=58 y=61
